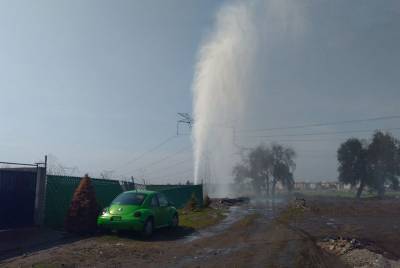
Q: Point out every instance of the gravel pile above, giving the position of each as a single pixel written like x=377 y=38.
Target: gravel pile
x=353 y=253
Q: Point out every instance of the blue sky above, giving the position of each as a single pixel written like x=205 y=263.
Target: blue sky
x=96 y=83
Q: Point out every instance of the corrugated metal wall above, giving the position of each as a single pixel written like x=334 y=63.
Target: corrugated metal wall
x=179 y=194
x=60 y=190
x=17 y=198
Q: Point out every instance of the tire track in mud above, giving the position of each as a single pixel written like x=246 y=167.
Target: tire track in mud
x=263 y=241
x=235 y=214
x=250 y=236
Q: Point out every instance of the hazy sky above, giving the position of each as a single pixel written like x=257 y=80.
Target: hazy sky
x=97 y=83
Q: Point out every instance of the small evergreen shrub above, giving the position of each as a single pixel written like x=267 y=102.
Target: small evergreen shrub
x=83 y=212
x=192 y=203
x=207 y=201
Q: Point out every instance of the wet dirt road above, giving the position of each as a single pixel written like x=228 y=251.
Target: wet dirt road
x=249 y=237
x=257 y=240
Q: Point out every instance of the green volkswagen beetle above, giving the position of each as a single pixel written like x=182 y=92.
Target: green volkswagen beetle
x=141 y=211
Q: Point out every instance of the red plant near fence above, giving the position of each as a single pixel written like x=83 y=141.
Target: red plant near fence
x=83 y=212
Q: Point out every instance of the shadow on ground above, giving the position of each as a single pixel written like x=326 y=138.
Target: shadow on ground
x=164 y=234
x=18 y=242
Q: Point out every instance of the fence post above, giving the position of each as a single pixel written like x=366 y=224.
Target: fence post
x=40 y=196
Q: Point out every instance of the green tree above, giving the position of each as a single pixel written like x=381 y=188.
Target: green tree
x=384 y=161
x=353 y=165
x=375 y=165
x=283 y=166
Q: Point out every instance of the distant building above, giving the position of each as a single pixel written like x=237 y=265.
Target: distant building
x=322 y=185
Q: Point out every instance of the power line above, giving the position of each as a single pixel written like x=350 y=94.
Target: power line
x=176 y=174
x=271 y=129
x=173 y=165
x=323 y=124
x=184 y=173
x=161 y=160
x=180 y=174
x=308 y=140
x=147 y=152
x=248 y=147
x=269 y=136
x=316 y=133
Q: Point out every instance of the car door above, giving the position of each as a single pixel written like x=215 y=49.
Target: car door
x=155 y=206
x=164 y=209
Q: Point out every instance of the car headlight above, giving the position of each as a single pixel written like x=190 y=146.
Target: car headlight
x=105 y=211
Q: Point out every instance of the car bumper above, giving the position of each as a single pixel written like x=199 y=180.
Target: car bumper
x=132 y=224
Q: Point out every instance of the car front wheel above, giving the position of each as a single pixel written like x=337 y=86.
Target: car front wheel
x=175 y=221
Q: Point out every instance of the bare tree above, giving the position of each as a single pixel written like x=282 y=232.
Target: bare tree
x=283 y=166
x=266 y=166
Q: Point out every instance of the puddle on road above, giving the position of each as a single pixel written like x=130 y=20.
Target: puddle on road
x=235 y=213
x=267 y=209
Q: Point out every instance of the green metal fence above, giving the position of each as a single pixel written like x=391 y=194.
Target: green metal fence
x=60 y=190
x=179 y=194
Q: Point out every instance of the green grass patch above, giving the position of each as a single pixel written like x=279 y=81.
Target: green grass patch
x=346 y=194
x=395 y=194
x=201 y=218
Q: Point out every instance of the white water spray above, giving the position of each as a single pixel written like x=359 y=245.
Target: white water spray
x=226 y=81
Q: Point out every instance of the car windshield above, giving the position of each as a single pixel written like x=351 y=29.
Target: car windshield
x=129 y=199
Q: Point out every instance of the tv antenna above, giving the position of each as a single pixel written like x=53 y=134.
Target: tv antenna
x=184 y=118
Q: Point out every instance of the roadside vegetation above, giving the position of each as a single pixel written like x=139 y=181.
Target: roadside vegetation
x=343 y=193
x=291 y=214
x=198 y=217
x=201 y=218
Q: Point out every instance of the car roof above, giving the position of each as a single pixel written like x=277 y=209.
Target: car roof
x=141 y=191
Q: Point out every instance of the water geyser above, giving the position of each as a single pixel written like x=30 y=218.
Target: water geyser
x=225 y=83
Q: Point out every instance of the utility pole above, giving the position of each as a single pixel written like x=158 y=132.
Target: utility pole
x=184 y=118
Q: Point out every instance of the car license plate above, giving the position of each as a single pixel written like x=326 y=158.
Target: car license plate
x=115 y=218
